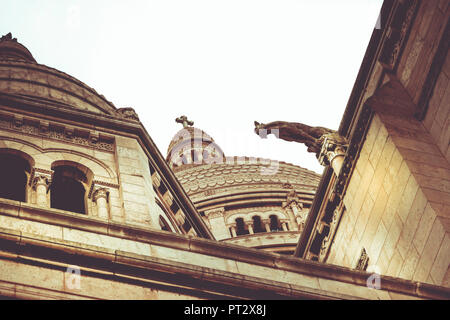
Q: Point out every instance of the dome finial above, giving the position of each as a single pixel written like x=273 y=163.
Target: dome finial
x=184 y=120
x=8 y=37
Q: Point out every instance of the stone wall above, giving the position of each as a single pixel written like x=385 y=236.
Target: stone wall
x=389 y=210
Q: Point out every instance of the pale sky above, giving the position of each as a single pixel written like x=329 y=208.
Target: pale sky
x=224 y=63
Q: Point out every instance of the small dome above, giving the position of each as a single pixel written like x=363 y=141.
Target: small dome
x=193 y=146
x=21 y=74
x=11 y=49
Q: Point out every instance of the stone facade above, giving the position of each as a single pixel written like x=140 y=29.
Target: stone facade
x=394 y=188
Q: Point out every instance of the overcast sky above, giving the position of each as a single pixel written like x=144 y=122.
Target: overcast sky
x=224 y=64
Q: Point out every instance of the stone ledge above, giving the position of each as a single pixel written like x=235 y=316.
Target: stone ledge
x=91 y=255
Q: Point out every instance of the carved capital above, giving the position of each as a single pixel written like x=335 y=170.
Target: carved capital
x=215 y=213
x=100 y=193
x=98 y=185
x=332 y=145
x=41 y=180
x=40 y=177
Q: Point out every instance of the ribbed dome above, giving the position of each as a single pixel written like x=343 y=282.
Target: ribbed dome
x=11 y=49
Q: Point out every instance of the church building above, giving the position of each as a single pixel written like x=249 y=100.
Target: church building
x=90 y=208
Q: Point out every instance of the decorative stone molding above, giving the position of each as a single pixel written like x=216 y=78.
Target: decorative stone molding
x=328 y=239
x=128 y=113
x=363 y=261
x=397 y=32
x=58 y=132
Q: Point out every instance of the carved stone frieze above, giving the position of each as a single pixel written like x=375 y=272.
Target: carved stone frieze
x=64 y=134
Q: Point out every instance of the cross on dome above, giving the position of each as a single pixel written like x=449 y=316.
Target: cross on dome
x=184 y=120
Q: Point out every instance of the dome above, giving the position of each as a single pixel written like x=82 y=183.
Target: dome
x=192 y=146
x=21 y=75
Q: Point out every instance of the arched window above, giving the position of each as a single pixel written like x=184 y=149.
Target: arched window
x=257 y=224
x=240 y=227
x=68 y=189
x=274 y=223
x=14 y=174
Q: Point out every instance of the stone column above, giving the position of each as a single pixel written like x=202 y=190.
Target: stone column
x=233 y=230
x=333 y=151
x=41 y=183
x=100 y=197
x=216 y=218
x=267 y=224
x=249 y=225
x=293 y=208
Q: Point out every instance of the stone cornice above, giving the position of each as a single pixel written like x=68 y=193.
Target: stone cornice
x=198 y=245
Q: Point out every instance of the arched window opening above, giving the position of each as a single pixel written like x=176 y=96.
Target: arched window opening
x=174 y=207
x=14 y=173
x=164 y=224
x=186 y=225
x=274 y=223
x=257 y=225
x=240 y=227
x=68 y=189
x=162 y=188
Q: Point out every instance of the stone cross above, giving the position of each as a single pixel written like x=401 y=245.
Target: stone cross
x=184 y=120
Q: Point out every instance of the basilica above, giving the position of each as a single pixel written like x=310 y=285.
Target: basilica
x=91 y=208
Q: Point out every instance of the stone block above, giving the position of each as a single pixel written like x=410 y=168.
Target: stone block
x=430 y=251
x=437 y=196
x=409 y=264
x=407 y=198
x=392 y=237
x=30 y=275
x=429 y=170
x=395 y=265
x=104 y=241
x=424 y=228
x=442 y=261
